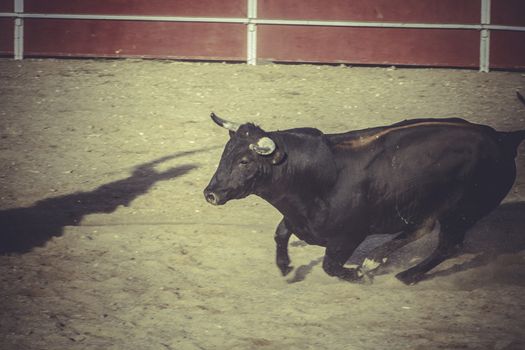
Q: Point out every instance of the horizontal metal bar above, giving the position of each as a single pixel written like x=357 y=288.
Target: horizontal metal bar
x=498 y=27
x=125 y=17
x=365 y=24
x=264 y=21
x=387 y=24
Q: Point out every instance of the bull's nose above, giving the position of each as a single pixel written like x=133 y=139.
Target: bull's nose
x=211 y=197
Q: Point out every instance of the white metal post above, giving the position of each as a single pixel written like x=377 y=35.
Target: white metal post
x=484 y=44
x=252 y=33
x=19 y=31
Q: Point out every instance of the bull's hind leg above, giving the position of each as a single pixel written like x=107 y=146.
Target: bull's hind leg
x=338 y=251
x=451 y=234
x=379 y=255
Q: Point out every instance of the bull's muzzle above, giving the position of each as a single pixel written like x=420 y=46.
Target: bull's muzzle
x=211 y=197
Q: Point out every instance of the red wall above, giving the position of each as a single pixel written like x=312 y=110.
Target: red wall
x=6 y=29
x=430 y=47
x=104 y=38
x=508 y=12
x=6 y=36
x=96 y=38
x=427 y=11
x=6 y=5
x=507 y=49
x=193 y=8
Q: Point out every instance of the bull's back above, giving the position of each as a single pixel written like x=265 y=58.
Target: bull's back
x=435 y=154
x=412 y=171
x=360 y=138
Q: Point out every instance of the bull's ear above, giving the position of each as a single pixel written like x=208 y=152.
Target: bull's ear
x=265 y=146
x=231 y=126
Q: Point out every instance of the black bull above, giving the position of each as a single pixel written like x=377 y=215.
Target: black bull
x=335 y=189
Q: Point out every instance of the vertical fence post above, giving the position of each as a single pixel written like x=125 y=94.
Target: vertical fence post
x=19 y=31
x=252 y=33
x=484 y=45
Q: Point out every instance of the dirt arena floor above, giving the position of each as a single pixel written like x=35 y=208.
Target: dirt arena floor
x=108 y=243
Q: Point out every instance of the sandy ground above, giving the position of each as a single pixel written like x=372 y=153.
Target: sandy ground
x=103 y=164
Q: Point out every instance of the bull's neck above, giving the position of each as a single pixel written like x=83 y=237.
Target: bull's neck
x=293 y=203
x=300 y=185
x=288 y=198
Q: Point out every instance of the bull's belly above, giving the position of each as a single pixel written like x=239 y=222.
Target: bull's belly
x=376 y=222
x=310 y=238
x=390 y=224
x=385 y=218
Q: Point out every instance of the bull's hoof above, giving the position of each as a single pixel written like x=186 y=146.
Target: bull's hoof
x=356 y=275
x=285 y=269
x=409 y=278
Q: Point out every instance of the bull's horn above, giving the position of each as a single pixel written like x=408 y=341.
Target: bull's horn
x=224 y=123
x=265 y=146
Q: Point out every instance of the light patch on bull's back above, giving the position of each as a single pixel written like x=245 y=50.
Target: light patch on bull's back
x=366 y=140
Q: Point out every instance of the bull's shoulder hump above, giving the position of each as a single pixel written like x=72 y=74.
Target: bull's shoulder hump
x=360 y=138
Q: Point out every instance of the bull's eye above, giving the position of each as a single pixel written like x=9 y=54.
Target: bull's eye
x=244 y=161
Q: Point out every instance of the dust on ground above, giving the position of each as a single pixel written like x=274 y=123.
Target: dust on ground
x=103 y=163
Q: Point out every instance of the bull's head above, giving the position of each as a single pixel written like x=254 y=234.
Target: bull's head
x=245 y=164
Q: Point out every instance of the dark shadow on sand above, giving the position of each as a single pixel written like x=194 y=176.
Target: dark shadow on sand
x=502 y=232
x=302 y=271
x=22 y=229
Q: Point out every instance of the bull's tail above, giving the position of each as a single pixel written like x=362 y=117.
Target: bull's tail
x=520 y=97
x=513 y=139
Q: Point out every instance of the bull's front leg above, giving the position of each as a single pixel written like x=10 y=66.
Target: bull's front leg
x=282 y=236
